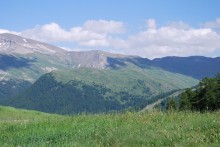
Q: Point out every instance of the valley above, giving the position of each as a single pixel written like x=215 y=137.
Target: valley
x=116 y=73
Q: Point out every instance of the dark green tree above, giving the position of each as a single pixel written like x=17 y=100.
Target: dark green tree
x=171 y=104
x=205 y=97
x=185 y=99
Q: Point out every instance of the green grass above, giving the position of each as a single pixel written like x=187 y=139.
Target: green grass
x=125 y=79
x=31 y=128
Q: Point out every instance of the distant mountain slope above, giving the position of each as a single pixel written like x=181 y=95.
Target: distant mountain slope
x=195 y=66
x=96 y=90
x=10 y=88
x=36 y=58
x=23 y=61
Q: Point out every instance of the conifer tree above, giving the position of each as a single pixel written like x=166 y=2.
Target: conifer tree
x=171 y=104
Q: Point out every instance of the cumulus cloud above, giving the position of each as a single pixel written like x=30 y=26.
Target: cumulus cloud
x=174 y=39
x=179 y=25
x=49 y=32
x=104 y=27
x=151 y=24
x=213 y=24
x=7 y=31
x=91 y=33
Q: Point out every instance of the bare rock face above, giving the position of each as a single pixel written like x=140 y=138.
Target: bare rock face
x=10 y=44
x=93 y=59
x=13 y=44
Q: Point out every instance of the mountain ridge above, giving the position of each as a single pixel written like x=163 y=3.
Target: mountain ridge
x=95 y=90
x=117 y=81
x=102 y=59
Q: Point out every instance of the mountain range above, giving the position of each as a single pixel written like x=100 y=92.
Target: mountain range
x=40 y=76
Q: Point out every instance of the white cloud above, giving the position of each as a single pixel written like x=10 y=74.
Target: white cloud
x=178 y=40
x=179 y=25
x=174 y=39
x=7 y=31
x=49 y=32
x=104 y=27
x=151 y=24
x=213 y=24
x=92 y=33
x=95 y=43
x=54 y=33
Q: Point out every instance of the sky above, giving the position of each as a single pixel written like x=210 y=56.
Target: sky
x=147 y=28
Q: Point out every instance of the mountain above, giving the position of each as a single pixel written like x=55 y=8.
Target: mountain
x=97 y=90
x=37 y=75
x=195 y=66
x=34 y=58
x=23 y=59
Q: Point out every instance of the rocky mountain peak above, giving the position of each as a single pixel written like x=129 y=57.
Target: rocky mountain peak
x=14 y=44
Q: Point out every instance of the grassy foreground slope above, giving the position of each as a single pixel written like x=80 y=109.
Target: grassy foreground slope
x=31 y=128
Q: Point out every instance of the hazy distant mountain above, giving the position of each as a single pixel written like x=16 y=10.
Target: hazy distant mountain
x=16 y=45
x=195 y=66
x=26 y=60
x=119 y=81
x=30 y=56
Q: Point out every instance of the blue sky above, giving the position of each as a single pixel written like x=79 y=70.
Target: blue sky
x=126 y=26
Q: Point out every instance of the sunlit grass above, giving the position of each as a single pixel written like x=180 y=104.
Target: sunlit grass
x=127 y=129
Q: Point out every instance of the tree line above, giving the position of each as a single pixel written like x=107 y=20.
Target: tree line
x=204 y=97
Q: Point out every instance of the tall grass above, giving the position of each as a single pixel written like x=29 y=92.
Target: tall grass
x=128 y=129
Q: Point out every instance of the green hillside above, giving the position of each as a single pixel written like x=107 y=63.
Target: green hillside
x=31 y=128
x=126 y=78
x=95 y=90
x=10 y=88
x=10 y=115
x=23 y=62
x=18 y=72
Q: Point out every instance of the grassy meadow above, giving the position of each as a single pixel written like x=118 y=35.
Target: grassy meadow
x=31 y=128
